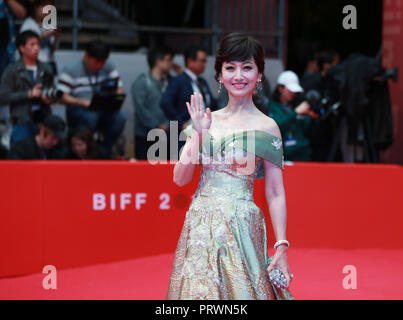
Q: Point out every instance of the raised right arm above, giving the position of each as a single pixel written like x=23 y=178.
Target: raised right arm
x=184 y=168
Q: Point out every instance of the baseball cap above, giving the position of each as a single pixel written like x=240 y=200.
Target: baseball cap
x=56 y=124
x=289 y=79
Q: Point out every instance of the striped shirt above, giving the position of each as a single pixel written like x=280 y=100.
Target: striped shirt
x=79 y=82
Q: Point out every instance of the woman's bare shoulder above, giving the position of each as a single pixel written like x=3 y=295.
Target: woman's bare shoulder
x=268 y=125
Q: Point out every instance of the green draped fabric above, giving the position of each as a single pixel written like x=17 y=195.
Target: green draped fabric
x=261 y=143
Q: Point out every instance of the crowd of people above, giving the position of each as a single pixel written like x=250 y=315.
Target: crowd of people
x=31 y=82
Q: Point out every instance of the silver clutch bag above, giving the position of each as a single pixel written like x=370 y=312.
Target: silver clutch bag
x=277 y=278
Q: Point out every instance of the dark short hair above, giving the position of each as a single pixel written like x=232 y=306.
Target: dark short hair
x=158 y=53
x=311 y=56
x=39 y=3
x=191 y=52
x=98 y=49
x=327 y=56
x=239 y=47
x=276 y=93
x=33 y=5
x=24 y=36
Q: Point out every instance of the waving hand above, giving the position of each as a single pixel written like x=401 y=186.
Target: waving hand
x=201 y=120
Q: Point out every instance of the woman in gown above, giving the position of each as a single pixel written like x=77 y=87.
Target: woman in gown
x=222 y=249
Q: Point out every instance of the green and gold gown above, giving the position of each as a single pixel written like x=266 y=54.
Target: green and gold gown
x=222 y=249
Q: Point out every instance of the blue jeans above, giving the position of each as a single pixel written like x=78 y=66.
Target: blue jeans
x=21 y=132
x=110 y=124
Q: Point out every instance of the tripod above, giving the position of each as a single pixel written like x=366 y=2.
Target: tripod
x=371 y=154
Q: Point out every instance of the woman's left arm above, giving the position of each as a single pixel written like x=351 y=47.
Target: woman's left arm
x=275 y=197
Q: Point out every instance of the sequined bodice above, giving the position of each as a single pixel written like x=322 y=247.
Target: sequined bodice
x=231 y=175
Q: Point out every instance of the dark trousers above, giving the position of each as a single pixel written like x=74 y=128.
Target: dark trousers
x=179 y=145
x=141 y=147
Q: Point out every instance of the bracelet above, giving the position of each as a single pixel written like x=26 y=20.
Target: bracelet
x=281 y=242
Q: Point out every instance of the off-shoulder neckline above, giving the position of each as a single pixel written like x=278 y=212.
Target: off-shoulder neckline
x=237 y=133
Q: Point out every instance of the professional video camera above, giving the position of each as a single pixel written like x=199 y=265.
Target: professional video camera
x=106 y=98
x=334 y=84
x=48 y=88
x=323 y=106
x=107 y=86
x=364 y=103
x=385 y=74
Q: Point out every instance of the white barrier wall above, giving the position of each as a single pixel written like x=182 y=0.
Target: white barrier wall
x=131 y=65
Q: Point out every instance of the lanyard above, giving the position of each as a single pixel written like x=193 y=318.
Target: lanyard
x=93 y=85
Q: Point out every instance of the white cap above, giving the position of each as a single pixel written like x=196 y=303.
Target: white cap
x=290 y=80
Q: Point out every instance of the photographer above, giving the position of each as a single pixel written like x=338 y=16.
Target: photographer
x=22 y=87
x=292 y=123
x=48 y=38
x=44 y=144
x=80 y=80
x=320 y=130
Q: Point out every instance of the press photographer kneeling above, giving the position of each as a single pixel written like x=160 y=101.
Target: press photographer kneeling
x=27 y=87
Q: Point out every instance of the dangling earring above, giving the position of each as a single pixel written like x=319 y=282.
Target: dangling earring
x=219 y=88
x=259 y=87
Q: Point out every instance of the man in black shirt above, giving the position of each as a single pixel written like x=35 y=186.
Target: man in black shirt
x=321 y=130
x=42 y=145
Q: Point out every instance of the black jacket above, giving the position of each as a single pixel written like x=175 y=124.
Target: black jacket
x=28 y=149
x=14 y=87
x=173 y=101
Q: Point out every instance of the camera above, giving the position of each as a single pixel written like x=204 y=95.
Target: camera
x=386 y=74
x=48 y=88
x=39 y=109
x=108 y=86
x=321 y=105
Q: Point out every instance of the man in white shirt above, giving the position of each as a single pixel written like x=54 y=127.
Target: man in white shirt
x=48 y=38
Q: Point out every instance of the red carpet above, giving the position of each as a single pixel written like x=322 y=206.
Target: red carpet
x=318 y=274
